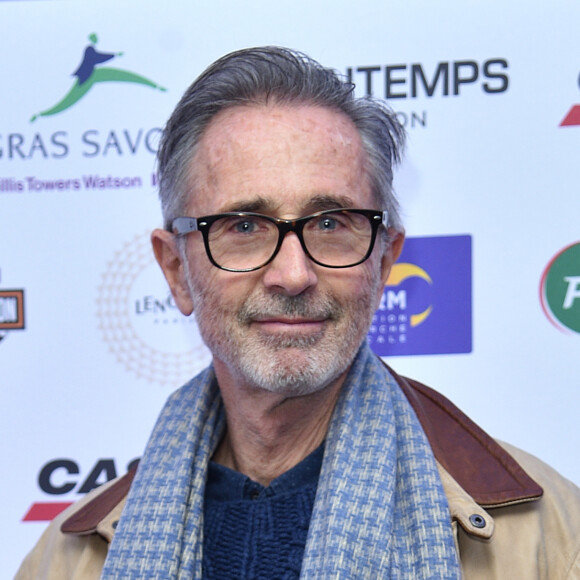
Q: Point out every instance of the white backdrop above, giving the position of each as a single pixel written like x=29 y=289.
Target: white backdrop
x=97 y=346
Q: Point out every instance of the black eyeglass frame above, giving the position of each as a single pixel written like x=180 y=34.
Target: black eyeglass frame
x=182 y=226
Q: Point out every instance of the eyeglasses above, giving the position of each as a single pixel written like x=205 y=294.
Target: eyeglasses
x=245 y=241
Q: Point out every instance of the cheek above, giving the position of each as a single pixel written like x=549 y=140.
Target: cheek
x=361 y=285
x=222 y=293
x=202 y=273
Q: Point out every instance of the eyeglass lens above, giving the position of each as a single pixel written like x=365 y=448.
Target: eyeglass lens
x=335 y=239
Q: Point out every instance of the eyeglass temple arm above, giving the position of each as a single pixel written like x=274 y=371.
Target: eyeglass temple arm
x=385 y=219
x=183 y=225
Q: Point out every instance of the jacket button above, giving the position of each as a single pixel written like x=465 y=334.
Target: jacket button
x=477 y=521
x=115 y=524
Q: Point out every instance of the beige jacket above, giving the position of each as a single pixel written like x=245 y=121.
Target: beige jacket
x=514 y=518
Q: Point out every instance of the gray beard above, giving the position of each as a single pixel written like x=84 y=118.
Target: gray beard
x=318 y=365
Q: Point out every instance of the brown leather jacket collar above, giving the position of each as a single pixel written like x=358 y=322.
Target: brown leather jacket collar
x=477 y=463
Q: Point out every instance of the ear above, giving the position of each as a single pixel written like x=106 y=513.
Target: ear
x=169 y=259
x=390 y=256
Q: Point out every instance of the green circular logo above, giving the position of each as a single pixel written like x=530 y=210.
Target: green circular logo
x=560 y=289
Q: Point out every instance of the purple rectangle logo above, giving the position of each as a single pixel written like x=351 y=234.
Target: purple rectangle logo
x=426 y=304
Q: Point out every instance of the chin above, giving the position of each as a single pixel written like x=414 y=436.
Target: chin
x=293 y=371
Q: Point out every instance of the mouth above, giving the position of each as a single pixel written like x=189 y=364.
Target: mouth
x=293 y=318
x=289 y=325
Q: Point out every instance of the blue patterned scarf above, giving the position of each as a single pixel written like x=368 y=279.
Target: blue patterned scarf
x=380 y=510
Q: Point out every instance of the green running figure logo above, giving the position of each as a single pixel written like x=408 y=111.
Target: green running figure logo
x=87 y=75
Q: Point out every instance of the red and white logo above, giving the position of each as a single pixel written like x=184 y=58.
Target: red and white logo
x=572 y=118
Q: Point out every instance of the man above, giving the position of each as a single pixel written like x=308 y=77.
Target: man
x=298 y=453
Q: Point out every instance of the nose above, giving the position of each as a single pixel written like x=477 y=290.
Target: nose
x=291 y=271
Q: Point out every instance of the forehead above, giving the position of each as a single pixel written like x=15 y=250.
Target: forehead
x=277 y=159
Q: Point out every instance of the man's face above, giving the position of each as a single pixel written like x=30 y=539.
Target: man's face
x=292 y=327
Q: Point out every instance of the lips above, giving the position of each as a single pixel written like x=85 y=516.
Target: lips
x=291 y=321
x=287 y=313
x=290 y=325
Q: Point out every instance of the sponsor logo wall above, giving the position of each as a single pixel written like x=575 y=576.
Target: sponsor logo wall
x=483 y=305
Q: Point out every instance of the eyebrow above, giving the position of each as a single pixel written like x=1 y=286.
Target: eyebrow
x=268 y=205
x=258 y=205
x=323 y=202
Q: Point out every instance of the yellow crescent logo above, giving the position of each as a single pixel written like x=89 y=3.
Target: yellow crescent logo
x=399 y=273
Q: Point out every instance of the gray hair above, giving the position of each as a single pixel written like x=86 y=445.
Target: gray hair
x=258 y=76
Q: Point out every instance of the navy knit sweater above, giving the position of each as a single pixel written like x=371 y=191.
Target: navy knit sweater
x=256 y=532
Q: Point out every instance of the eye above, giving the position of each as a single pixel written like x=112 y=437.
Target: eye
x=331 y=223
x=328 y=224
x=245 y=226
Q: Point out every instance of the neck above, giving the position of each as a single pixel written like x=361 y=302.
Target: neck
x=267 y=433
